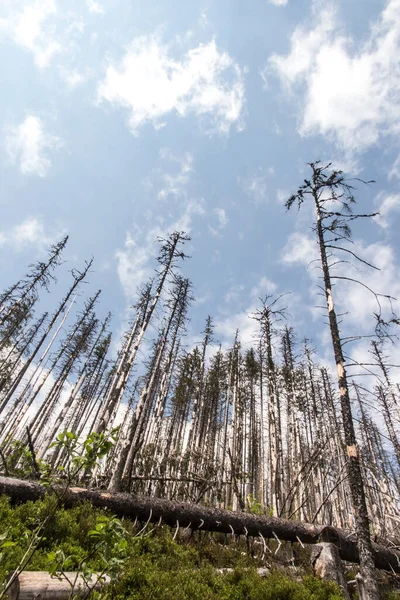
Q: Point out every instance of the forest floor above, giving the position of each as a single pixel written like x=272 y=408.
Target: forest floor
x=147 y=563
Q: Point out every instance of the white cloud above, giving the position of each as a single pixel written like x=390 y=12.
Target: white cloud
x=30 y=26
x=191 y=209
x=95 y=7
x=27 y=143
x=350 y=90
x=150 y=84
x=300 y=248
x=388 y=205
x=226 y=324
x=222 y=221
x=278 y=2
x=30 y=232
x=222 y=217
x=169 y=184
x=347 y=163
x=304 y=48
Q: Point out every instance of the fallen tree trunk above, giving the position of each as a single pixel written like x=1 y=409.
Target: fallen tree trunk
x=209 y=519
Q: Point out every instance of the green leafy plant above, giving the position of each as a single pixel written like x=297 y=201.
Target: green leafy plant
x=82 y=457
x=107 y=548
x=254 y=506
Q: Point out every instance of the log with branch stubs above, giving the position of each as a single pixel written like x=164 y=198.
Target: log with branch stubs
x=194 y=516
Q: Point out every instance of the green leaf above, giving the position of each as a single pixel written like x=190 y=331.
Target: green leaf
x=8 y=544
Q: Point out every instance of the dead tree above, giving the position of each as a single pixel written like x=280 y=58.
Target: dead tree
x=170 y=251
x=332 y=197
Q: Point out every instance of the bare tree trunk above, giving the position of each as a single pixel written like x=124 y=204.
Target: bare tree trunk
x=367 y=567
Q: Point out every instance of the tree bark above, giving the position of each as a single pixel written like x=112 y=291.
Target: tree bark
x=200 y=517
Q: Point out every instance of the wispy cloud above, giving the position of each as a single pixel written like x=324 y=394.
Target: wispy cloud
x=282 y=196
x=234 y=292
x=264 y=287
x=256 y=185
x=222 y=221
x=31 y=232
x=355 y=292
x=134 y=261
x=173 y=184
x=226 y=326
x=278 y=2
x=72 y=77
x=150 y=83
x=358 y=300
x=28 y=145
x=395 y=170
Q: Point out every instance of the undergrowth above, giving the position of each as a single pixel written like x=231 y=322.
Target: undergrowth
x=151 y=566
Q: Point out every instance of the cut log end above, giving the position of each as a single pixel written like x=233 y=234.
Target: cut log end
x=31 y=585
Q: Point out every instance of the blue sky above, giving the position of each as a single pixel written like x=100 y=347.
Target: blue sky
x=121 y=121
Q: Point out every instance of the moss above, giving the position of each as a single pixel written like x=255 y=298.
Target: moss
x=146 y=581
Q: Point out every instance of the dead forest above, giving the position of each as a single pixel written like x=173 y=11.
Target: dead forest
x=260 y=429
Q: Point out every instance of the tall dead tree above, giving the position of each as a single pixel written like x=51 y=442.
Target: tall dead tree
x=17 y=302
x=178 y=304
x=170 y=251
x=332 y=197
x=63 y=309
x=266 y=315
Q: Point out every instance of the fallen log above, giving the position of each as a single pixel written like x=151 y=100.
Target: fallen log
x=40 y=584
x=195 y=516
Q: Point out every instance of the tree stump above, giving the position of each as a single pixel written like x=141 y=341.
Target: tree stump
x=328 y=565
